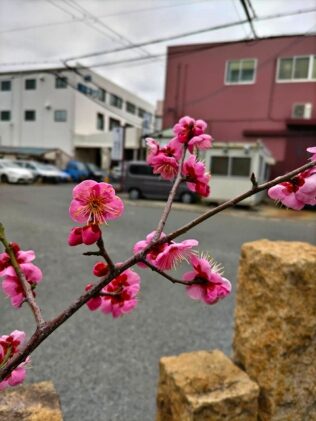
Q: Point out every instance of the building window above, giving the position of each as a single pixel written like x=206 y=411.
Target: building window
x=30 y=84
x=240 y=71
x=130 y=108
x=230 y=166
x=100 y=121
x=219 y=165
x=60 y=116
x=141 y=112
x=102 y=94
x=299 y=68
x=5 y=115
x=5 y=85
x=114 y=123
x=116 y=101
x=29 y=115
x=240 y=167
x=61 y=82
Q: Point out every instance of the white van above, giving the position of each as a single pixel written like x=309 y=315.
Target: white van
x=231 y=165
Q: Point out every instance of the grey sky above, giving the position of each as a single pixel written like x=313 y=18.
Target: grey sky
x=52 y=30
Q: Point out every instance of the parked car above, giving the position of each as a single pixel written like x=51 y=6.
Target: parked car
x=12 y=173
x=63 y=177
x=77 y=170
x=96 y=173
x=41 y=172
x=140 y=181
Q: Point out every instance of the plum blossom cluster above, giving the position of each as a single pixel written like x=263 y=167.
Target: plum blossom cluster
x=93 y=204
x=300 y=190
x=205 y=282
x=119 y=296
x=189 y=135
x=10 y=346
x=11 y=284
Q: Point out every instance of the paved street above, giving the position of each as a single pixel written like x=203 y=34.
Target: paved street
x=105 y=369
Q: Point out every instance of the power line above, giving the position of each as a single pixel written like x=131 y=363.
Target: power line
x=249 y=18
x=263 y=18
x=77 y=19
x=251 y=8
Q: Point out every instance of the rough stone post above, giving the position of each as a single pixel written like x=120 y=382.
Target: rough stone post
x=205 y=386
x=275 y=327
x=33 y=402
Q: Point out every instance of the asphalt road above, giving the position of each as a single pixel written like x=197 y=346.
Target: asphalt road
x=105 y=369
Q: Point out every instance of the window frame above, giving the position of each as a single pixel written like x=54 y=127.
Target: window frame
x=28 y=120
x=129 y=104
x=114 y=98
x=28 y=80
x=63 y=80
x=311 y=58
x=246 y=82
x=58 y=120
x=1 y=116
x=100 y=118
x=230 y=166
x=6 y=81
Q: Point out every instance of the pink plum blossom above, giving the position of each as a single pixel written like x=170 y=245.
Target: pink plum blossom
x=20 y=255
x=202 y=142
x=187 y=128
x=313 y=151
x=95 y=203
x=211 y=286
x=297 y=192
x=196 y=177
x=167 y=255
x=125 y=287
x=165 y=159
x=88 y=235
x=119 y=296
x=9 y=346
x=12 y=287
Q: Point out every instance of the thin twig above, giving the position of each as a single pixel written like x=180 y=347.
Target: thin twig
x=40 y=335
x=253 y=180
x=170 y=200
x=165 y=275
x=25 y=285
x=104 y=254
x=91 y=253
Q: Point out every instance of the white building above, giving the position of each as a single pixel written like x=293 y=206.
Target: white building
x=71 y=109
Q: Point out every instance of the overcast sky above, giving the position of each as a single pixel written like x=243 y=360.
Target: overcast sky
x=48 y=31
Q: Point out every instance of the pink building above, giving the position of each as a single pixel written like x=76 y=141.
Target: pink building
x=248 y=90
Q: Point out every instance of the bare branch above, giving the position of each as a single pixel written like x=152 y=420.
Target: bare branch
x=41 y=334
x=165 y=275
x=170 y=200
x=104 y=254
x=91 y=253
x=253 y=180
x=25 y=285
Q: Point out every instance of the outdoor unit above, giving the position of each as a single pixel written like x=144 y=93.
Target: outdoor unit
x=302 y=111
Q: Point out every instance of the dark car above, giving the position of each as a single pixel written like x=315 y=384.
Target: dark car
x=140 y=181
x=96 y=173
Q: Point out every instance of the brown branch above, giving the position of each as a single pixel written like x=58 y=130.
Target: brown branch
x=253 y=180
x=104 y=254
x=25 y=285
x=170 y=200
x=91 y=253
x=165 y=275
x=41 y=334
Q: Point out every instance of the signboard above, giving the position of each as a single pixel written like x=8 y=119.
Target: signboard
x=118 y=144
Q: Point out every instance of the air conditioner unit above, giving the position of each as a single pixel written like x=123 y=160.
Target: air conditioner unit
x=302 y=111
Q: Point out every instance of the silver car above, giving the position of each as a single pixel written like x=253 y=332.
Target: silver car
x=12 y=173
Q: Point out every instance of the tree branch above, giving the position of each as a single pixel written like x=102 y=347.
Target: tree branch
x=170 y=200
x=41 y=334
x=25 y=285
x=165 y=275
x=104 y=254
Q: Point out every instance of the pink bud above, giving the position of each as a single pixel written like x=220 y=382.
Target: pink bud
x=91 y=234
x=100 y=269
x=75 y=236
